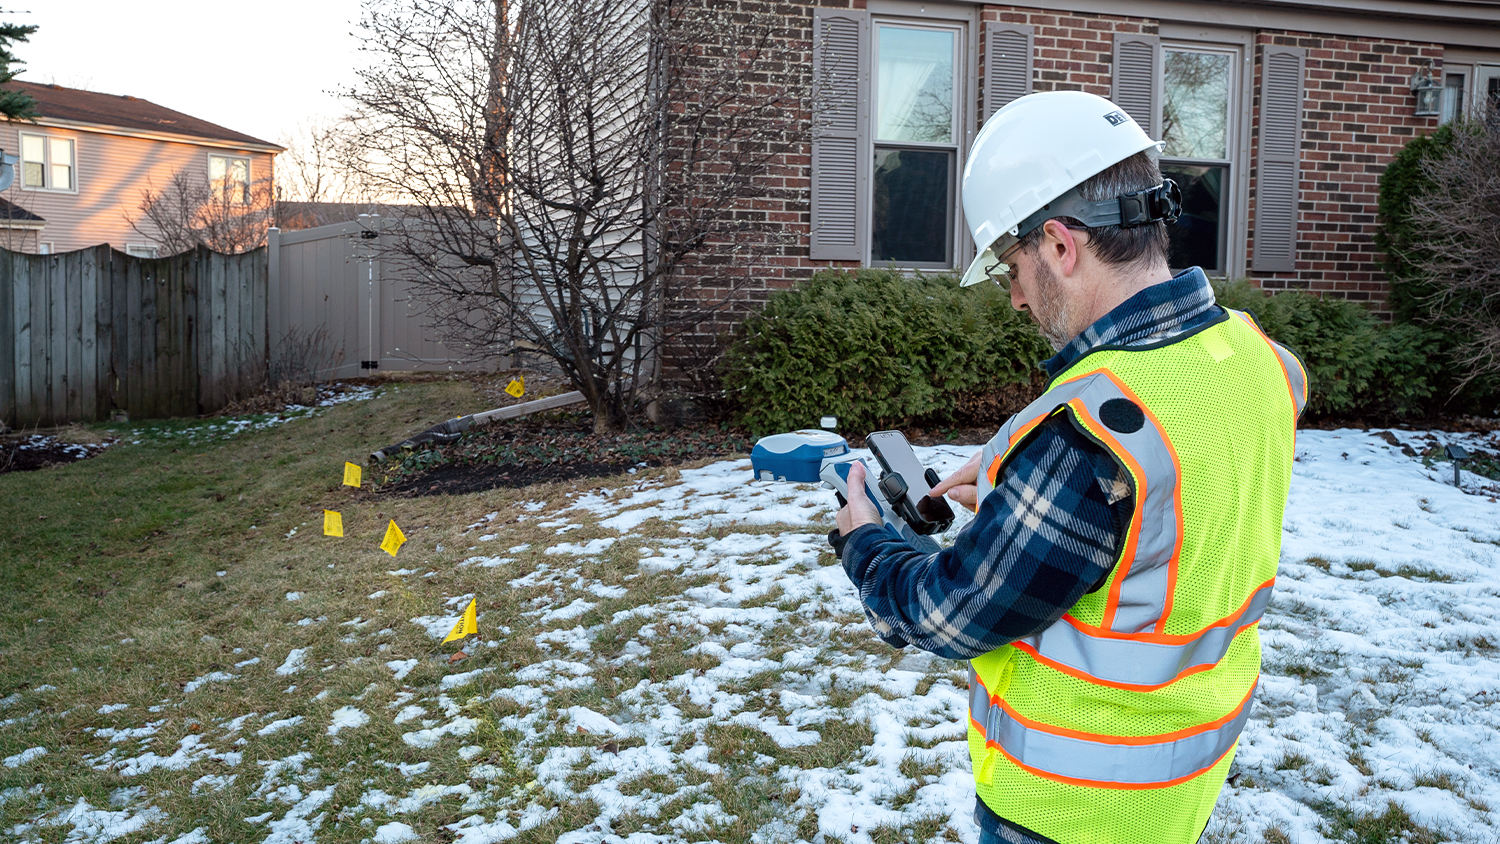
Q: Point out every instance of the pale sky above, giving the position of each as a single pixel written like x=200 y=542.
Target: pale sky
x=259 y=68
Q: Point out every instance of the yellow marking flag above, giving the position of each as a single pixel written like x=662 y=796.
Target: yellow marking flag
x=351 y=475
x=393 y=539
x=517 y=387
x=466 y=625
x=333 y=523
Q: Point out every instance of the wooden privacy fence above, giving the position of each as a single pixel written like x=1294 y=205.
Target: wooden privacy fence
x=89 y=332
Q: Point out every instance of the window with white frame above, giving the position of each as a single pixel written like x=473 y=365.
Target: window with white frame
x=47 y=163
x=916 y=137
x=44 y=248
x=140 y=250
x=1198 y=129
x=229 y=178
x=1453 y=96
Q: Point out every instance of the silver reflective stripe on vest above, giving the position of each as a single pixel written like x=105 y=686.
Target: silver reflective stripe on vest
x=1147 y=580
x=1296 y=376
x=1131 y=662
x=1103 y=761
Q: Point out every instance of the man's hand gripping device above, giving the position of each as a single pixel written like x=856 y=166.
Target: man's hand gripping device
x=812 y=456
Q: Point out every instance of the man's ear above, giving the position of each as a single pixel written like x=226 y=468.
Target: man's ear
x=1063 y=245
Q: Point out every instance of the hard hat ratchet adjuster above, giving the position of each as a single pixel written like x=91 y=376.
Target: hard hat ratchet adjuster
x=1163 y=202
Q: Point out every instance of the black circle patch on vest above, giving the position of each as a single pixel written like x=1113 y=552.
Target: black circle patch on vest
x=1122 y=415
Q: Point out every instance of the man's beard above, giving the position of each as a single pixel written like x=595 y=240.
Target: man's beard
x=1050 y=310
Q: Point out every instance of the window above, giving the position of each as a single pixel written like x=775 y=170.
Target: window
x=1486 y=88
x=1453 y=97
x=140 y=250
x=916 y=145
x=44 y=248
x=229 y=177
x=1198 y=105
x=47 y=163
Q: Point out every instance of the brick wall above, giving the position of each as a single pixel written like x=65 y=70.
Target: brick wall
x=1357 y=114
x=1073 y=51
x=742 y=284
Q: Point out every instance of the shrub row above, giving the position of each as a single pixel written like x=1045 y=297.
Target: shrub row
x=878 y=349
x=1356 y=364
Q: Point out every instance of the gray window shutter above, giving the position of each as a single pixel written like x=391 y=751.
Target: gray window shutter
x=1276 y=163
x=841 y=152
x=1138 y=80
x=1007 y=64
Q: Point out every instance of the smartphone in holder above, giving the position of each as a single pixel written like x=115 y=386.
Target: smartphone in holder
x=906 y=482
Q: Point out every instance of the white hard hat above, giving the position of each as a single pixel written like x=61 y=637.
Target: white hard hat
x=1030 y=153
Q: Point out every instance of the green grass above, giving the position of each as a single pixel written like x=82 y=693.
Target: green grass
x=111 y=593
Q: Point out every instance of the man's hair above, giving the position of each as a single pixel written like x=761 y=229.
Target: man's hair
x=1115 y=245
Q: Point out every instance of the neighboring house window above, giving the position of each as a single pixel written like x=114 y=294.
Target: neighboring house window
x=47 y=163
x=229 y=177
x=915 y=145
x=140 y=250
x=1198 y=128
x=44 y=248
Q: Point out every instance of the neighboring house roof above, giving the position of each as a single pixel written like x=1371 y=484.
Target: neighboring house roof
x=71 y=106
x=13 y=216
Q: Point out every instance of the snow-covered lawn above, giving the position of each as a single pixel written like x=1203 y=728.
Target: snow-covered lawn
x=697 y=668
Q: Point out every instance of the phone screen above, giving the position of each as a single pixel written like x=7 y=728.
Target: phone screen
x=895 y=455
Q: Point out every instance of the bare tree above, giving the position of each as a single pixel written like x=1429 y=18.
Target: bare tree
x=1457 y=221
x=310 y=169
x=227 y=216
x=572 y=160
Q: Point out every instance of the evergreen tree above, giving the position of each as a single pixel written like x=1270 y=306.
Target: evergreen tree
x=14 y=105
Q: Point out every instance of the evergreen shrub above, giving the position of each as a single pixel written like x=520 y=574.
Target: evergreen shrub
x=877 y=349
x=1356 y=364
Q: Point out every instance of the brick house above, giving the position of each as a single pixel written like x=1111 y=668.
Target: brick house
x=87 y=159
x=1279 y=117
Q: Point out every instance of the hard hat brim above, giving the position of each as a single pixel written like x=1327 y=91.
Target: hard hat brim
x=978 y=269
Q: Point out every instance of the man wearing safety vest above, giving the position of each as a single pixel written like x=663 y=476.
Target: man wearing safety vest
x=1128 y=522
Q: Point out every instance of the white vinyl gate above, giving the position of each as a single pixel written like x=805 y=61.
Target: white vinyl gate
x=333 y=300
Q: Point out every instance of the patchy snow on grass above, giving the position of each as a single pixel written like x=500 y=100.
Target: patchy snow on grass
x=25 y=756
x=211 y=677
x=294 y=662
x=726 y=686
x=347 y=718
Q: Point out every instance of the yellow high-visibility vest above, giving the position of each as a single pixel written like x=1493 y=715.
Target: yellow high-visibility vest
x=1118 y=723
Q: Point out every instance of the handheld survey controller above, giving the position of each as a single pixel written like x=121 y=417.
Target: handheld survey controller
x=812 y=456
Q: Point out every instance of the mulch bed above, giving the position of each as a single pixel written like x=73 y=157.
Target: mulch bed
x=30 y=452
x=564 y=447
x=553 y=447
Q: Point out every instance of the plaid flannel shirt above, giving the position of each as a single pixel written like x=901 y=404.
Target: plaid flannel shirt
x=1047 y=535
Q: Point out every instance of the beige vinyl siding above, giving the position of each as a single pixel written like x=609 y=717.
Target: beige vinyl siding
x=112 y=173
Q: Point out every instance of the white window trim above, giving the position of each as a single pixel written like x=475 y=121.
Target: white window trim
x=1233 y=214
x=1237 y=261
x=249 y=173
x=964 y=22
x=1479 y=85
x=141 y=250
x=44 y=247
x=47 y=162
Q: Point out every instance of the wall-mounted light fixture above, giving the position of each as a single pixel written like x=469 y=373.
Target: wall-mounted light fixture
x=1428 y=91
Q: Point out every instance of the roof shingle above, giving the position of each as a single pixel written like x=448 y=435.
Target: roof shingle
x=125 y=112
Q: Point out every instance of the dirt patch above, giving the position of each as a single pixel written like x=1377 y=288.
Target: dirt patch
x=30 y=452
x=552 y=447
x=564 y=447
